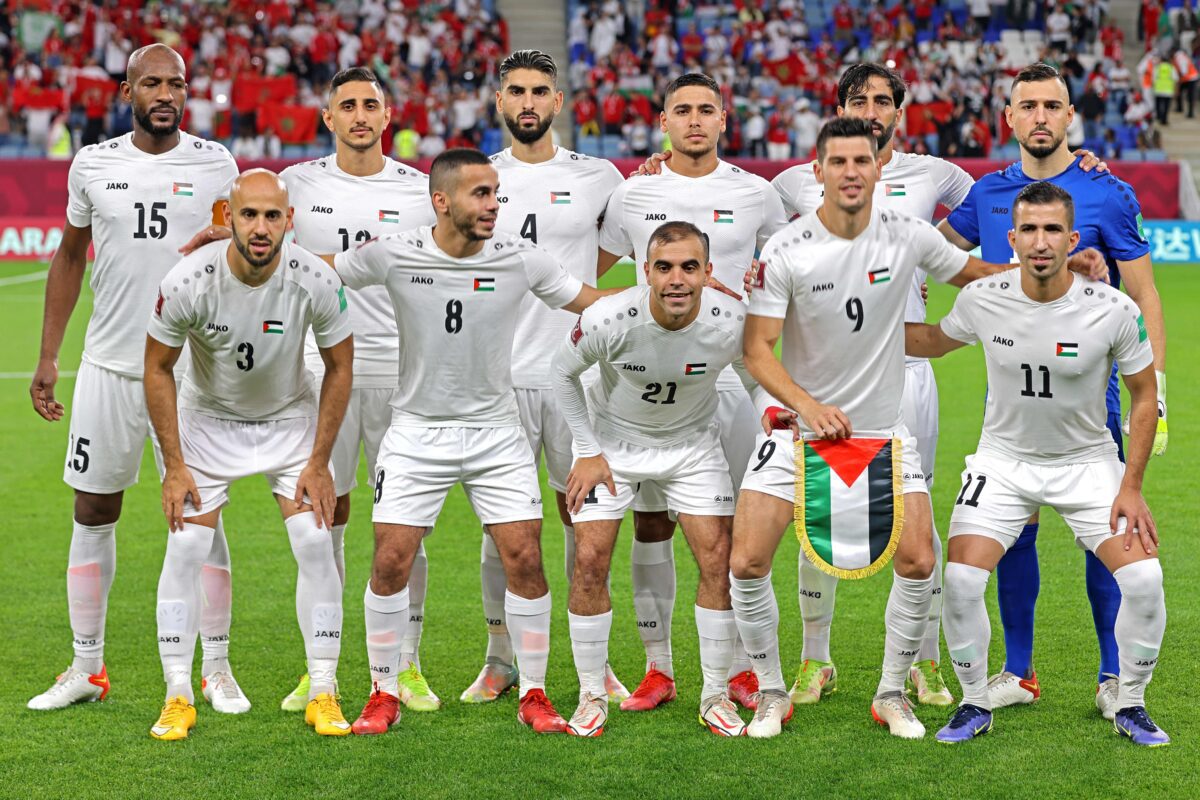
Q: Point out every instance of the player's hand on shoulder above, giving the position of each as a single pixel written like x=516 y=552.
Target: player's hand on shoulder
x=652 y=165
x=41 y=391
x=1140 y=529
x=776 y=418
x=828 y=422
x=586 y=474
x=713 y=283
x=1090 y=161
x=317 y=482
x=213 y=233
x=1089 y=263
x=177 y=486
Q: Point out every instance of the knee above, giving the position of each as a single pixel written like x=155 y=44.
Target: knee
x=1140 y=579
x=915 y=566
x=524 y=560
x=591 y=567
x=97 y=509
x=964 y=582
x=341 y=510
x=746 y=566
x=652 y=526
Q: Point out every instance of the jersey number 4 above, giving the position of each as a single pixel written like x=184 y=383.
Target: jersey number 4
x=529 y=228
x=157 y=229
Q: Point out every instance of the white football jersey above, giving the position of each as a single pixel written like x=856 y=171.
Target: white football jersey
x=141 y=208
x=247 y=342
x=1048 y=365
x=335 y=211
x=911 y=184
x=737 y=210
x=842 y=302
x=657 y=387
x=456 y=320
x=557 y=205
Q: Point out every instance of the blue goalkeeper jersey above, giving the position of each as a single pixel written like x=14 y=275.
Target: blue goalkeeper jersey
x=1107 y=216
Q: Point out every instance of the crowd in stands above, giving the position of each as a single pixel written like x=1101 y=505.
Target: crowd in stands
x=257 y=70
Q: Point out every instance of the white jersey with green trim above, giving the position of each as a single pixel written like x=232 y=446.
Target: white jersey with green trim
x=1048 y=365
x=557 y=205
x=335 y=211
x=842 y=302
x=141 y=208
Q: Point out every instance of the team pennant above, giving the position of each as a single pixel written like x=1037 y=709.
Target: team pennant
x=272 y=326
x=1067 y=350
x=881 y=275
x=485 y=284
x=560 y=198
x=723 y=216
x=849 y=507
x=181 y=189
x=389 y=216
x=694 y=369
x=894 y=190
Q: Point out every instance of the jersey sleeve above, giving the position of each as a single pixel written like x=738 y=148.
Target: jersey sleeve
x=789 y=184
x=548 y=281
x=614 y=238
x=935 y=254
x=965 y=218
x=775 y=216
x=1131 y=346
x=1122 y=228
x=229 y=174
x=576 y=353
x=952 y=182
x=365 y=265
x=172 y=315
x=79 y=205
x=772 y=289
x=957 y=324
x=330 y=322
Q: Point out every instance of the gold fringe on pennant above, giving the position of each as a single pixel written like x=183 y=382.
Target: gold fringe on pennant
x=897 y=518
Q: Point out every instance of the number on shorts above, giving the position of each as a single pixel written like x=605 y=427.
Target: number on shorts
x=80 y=458
x=972 y=501
x=454 y=320
x=247 y=350
x=591 y=497
x=854 y=311
x=764 y=454
x=379 y=487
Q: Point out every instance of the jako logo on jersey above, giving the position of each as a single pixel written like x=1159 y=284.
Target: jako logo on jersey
x=419 y=279
x=500 y=199
x=389 y=216
x=215 y=328
x=485 y=284
x=322 y=210
x=633 y=367
x=999 y=210
x=881 y=275
x=656 y=218
x=112 y=185
x=821 y=287
x=1002 y=340
x=181 y=189
x=694 y=369
x=720 y=215
x=560 y=198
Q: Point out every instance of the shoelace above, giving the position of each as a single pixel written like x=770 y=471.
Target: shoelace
x=902 y=705
x=62 y=679
x=766 y=708
x=416 y=680
x=542 y=703
x=963 y=716
x=809 y=669
x=328 y=705
x=172 y=713
x=378 y=701
x=1138 y=716
x=226 y=686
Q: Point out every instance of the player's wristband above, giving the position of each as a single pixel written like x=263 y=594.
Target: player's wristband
x=777 y=424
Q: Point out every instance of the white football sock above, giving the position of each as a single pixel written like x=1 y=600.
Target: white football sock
x=968 y=631
x=91 y=566
x=337 y=535
x=757 y=617
x=216 y=609
x=741 y=660
x=529 y=624
x=717 y=630
x=1141 y=621
x=589 y=645
x=495 y=583
x=931 y=649
x=178 y=611
x=410 y=646
x=653 y=571
x=904 y=623
x=818 y=591
x=318 y=600
x=569 y=552
x=386 y=617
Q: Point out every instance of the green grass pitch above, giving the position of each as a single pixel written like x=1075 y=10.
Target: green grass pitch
x=1057 y=748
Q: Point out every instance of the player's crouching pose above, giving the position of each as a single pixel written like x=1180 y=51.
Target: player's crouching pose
x=660 y=349
x=247 y=408
x=1049 y=340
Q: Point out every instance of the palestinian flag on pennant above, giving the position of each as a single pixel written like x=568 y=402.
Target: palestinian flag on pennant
x=485 y=284
x=881 y=275
x=272 y=326
x=389 y=216
x=849 y=503
x=722 y=216
x=181 y=189
x=694 y=369
x=894 y=190
x=1067 y=350
x=560 y=198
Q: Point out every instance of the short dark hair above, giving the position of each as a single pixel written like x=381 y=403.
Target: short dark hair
x=676 y=231
x=845 y=128
x=443 y=173
x=693 y=79
x=353 y=75
x=1036 y=73
x=856 y=77
x=529 y=59
x=1045 y=193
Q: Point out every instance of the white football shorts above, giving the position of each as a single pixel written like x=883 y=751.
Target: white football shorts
x=919 y=410
x=368 y=417
x=548 y=433
x=108 y=431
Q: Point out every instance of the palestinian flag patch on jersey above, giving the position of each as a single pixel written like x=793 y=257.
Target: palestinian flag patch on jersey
x=695 y=369
x=1067 y=350
x=721 y=215
x=484 y=285
x=272 y=326
x=389 y=216
x=881 y=275
x=849 y=507
x=560 y=198
x=894 y=190
x=181 y=189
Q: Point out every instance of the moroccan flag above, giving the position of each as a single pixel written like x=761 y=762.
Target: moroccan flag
x=292 y=124
x=849 y=503
x=1067 y=350
x=252 y=92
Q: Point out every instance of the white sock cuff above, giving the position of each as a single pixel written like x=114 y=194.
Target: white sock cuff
x=421 y=549
x=1141 y=578
x=79 y=529
x=964 y=580
x=590 y=628
x=489 y=548
x=569 y=530
x=653 y=552
x=748 y=586
x=386 y=604
x=515 y=605
x=714 y=624
x=192 y=542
